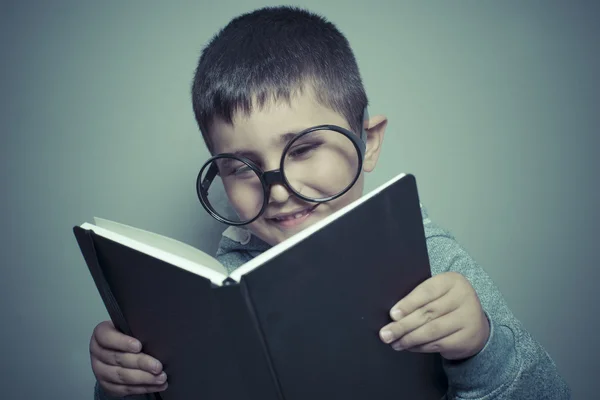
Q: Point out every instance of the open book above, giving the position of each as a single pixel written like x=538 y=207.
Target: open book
x=300 y=321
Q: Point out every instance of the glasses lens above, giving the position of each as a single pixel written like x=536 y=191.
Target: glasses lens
x=235 y=193
x=321 y=164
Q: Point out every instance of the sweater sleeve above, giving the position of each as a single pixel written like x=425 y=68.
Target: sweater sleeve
x=512 y=364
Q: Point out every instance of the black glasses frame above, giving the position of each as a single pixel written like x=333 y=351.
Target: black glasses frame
x=277 y=176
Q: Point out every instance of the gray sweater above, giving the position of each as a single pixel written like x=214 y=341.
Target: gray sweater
x=512 y=365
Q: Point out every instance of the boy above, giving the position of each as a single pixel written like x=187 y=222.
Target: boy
x=266 y=77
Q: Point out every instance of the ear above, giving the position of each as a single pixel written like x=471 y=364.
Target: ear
x=375 y=128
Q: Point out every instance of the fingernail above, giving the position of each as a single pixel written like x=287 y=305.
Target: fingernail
x=156 y=366
x=396 y=314
x=161 y=378
x=134 y=345
x=387 y=336
x=397 y=347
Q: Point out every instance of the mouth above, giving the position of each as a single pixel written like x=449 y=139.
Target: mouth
x=293 y=219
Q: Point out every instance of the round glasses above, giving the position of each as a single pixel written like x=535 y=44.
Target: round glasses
x=318 y=165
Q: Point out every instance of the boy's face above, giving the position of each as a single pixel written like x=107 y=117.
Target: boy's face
x=259 y=134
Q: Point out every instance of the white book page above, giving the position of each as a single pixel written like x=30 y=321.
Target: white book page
x=283 y=246
x=161 y=247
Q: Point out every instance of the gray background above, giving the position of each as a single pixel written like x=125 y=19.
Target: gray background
x=493 y=106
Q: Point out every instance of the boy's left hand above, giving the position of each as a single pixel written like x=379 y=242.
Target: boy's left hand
x=441 y=315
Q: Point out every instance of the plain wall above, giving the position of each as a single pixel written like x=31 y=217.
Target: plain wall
x=493 y=106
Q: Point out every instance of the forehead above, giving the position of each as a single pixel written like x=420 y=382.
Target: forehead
x=261 y=129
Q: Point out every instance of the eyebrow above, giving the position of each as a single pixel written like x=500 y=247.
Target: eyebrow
x=287 y=137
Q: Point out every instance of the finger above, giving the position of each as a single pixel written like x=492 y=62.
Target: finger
x=437 y=329
x=463 y=344
x=126 y=390
x=418 y=318
x=109 y=337
x=126 y=360
x=451 y=347
x=451 y=342
x=126 y=376
x=428 y=291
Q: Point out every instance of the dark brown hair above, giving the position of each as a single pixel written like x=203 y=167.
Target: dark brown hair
x=269 y=55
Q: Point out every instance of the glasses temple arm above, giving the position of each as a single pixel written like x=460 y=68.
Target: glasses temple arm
x=210 y=175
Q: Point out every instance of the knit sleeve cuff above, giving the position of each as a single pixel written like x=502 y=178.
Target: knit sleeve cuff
x=489 y=369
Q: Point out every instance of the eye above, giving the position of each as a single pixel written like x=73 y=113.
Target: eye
x=241 y=170
x=232 y=168
x=302 y=150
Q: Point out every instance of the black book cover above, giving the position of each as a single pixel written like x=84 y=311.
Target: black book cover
x=204 y=336
x=304 y=325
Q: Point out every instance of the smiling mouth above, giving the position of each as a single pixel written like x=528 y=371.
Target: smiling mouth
x=294 y=219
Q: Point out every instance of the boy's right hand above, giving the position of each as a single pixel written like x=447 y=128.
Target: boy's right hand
x=120 y=367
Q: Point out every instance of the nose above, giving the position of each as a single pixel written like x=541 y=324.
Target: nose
x=279 y=193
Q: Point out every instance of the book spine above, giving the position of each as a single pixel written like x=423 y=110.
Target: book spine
x=261 y=335
x=228 y=282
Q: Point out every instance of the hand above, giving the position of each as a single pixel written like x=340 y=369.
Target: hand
x=120 y=367
x=443 y=314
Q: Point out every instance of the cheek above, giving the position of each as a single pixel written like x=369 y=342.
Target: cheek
x=331 y=181
x=246 y=199
x=351 y=195
x=323 y=177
